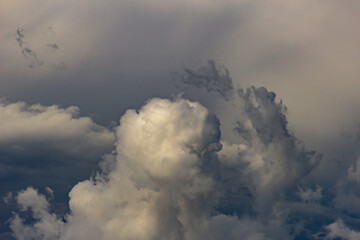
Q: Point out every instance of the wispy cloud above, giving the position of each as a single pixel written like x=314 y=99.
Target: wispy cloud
x=26 y=51
x=53 y=46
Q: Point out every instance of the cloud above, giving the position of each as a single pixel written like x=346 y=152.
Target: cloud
x=120 y=53
x=24 y=126
x=48 y=227
x=158 y=185
x=230 y=168
x=26 y=51
x=20 y=36
x=309 y=195
x=354 y=172
x=339 y=230
x=261 y=43
x=210 y=77
x=53 y=46
x=169 y=178
x=269 y=172
x=47 y=147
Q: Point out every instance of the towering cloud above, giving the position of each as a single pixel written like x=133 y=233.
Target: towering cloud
x=168 y=180
x=219 y=162
x=160 y=186
x=180 y=170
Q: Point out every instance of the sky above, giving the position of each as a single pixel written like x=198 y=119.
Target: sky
x=203 y=119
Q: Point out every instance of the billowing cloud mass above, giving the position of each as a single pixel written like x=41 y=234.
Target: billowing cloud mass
x=175 y=175
x=159 y=187
x=270 y=151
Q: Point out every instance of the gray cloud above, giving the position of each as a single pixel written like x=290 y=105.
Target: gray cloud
x=177 y=173
x=26 y=51
x=53 y=46
x=174 y=176
x=262 y=43
x=210 y=77
x=166 y=179
x=120 y=53
x=20 y=36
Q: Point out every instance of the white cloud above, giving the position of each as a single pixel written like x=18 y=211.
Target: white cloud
x=36 y=127
x=339 y=229
x=310 y=195
x=165 y=180
x=158 y=187
x=48 y=226
x=47 y=146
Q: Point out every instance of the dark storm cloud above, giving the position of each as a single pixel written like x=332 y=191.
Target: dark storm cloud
x=211 y=77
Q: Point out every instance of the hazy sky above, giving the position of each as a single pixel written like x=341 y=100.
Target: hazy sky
x=69 y=70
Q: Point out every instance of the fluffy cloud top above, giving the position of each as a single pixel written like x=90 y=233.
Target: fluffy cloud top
x=23 y=126
x=262 y=184
x=168 y=180
x=180 y=172
x=157 y=188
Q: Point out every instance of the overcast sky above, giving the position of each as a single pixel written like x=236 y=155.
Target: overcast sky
x=274 y=86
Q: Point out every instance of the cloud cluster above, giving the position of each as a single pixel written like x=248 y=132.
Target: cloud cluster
x=46 y=146
x=122 y=52
x=159 y=187
x=117 y=46
x=171 y=177
x=181 y=172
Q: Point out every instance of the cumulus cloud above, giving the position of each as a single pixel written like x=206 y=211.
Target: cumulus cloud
x=23 y=126
x=48 y=226
x=159 y=187
x=269 y=173
x=180 y=170
x=170 y=178
x=262 y=43
x=339 y=230
x=47 y=147
x=123 y=51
